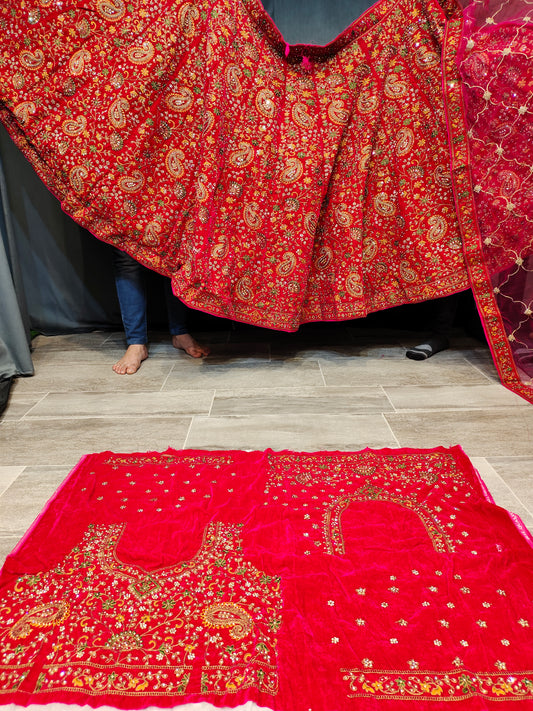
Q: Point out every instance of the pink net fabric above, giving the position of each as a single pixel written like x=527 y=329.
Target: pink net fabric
x=497 y=78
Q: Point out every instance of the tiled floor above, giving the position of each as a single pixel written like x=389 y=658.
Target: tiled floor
x=327 y=387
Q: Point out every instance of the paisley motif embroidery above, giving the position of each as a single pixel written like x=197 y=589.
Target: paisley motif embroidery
x=73 y=127
x=76 y=177
x=231 y=616
x=206 y=90
x=167 y=632
x=40 y=617
x=32 y=60
x=78 y=61
x=111 y=10
x=24 y=111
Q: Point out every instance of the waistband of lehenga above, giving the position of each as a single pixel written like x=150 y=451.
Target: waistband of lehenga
x=294 y=53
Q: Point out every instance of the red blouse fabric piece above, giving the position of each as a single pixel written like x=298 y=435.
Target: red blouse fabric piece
x=273 y=184
x=302 y=581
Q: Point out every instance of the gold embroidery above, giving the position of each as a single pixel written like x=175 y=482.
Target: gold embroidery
x=32 y=60
x=228 y=614
x=333 y=526
x=40 y=616
x=135 y=632
x=111 y=10
x=436 y=686
x=23 y=111
x=141 y=54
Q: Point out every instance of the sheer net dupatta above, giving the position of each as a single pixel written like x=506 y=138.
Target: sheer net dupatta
x=496 y=68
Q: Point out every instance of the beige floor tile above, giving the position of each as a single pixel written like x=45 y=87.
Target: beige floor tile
x=401 y=371
x=65 y=441
x=502 y=494
x=297 y=432
x=161 y=341
x=219 y=351
x=77 y=357
x=335 y=341
x=7 y=544
x=517 y=472
x=95 y=378
x=308 y=333
x=481 y=433
x=19 y=403
x=71 y=341
x=305 y=401
x=239 y=375
x=8 y=476
x=338 y=353
x=123 y=405
x=111 y=351
x=482 y=360
x=240 y=352
x=27 y=496
x=450 y=397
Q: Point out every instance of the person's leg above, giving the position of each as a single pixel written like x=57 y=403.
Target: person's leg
x=131 y=292
x=442 y=318
x=177 y=324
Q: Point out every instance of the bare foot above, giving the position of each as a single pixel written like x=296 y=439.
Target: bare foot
x=131 y=360
x=185 y=342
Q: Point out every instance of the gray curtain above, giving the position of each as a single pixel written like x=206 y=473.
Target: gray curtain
x=54 y=276
x=15 y=356
x=66 y=273
x=314 y=21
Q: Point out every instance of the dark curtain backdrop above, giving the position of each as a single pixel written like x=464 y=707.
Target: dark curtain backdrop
x=54 y=276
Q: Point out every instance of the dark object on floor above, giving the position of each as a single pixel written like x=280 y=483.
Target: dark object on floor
x=428 y=349
x=5 y=387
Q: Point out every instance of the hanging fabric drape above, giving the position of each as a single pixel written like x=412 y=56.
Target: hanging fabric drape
x=275 y=184
x=497 y=80
x=15 y=357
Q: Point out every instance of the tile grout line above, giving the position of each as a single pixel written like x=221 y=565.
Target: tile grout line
x=384 y=417
x=24 y=416
x=22 y=467
x=212 y=402
x=506 y=485
x=324 y=384
x=173 y=365
x=384 y=391
x=478 y=369
x=188 y=433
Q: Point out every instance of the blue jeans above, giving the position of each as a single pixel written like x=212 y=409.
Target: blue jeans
x=130 y=281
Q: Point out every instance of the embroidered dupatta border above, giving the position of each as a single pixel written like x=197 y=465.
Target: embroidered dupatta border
x=460 y=164
x=438 y=686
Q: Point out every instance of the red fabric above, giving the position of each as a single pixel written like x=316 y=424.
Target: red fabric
x=332 y=580
x=276 y=184
x=273 y=187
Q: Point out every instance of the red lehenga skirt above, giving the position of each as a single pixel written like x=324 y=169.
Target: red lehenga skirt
x=279 y=184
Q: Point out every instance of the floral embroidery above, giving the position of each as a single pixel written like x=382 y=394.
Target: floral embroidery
x=41 y=616
x=289 y=131
x=332 y=517
x=214 y=624
x=172 y=624
x=445 y=686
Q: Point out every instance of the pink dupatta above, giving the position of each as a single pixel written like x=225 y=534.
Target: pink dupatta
x=496 y=73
